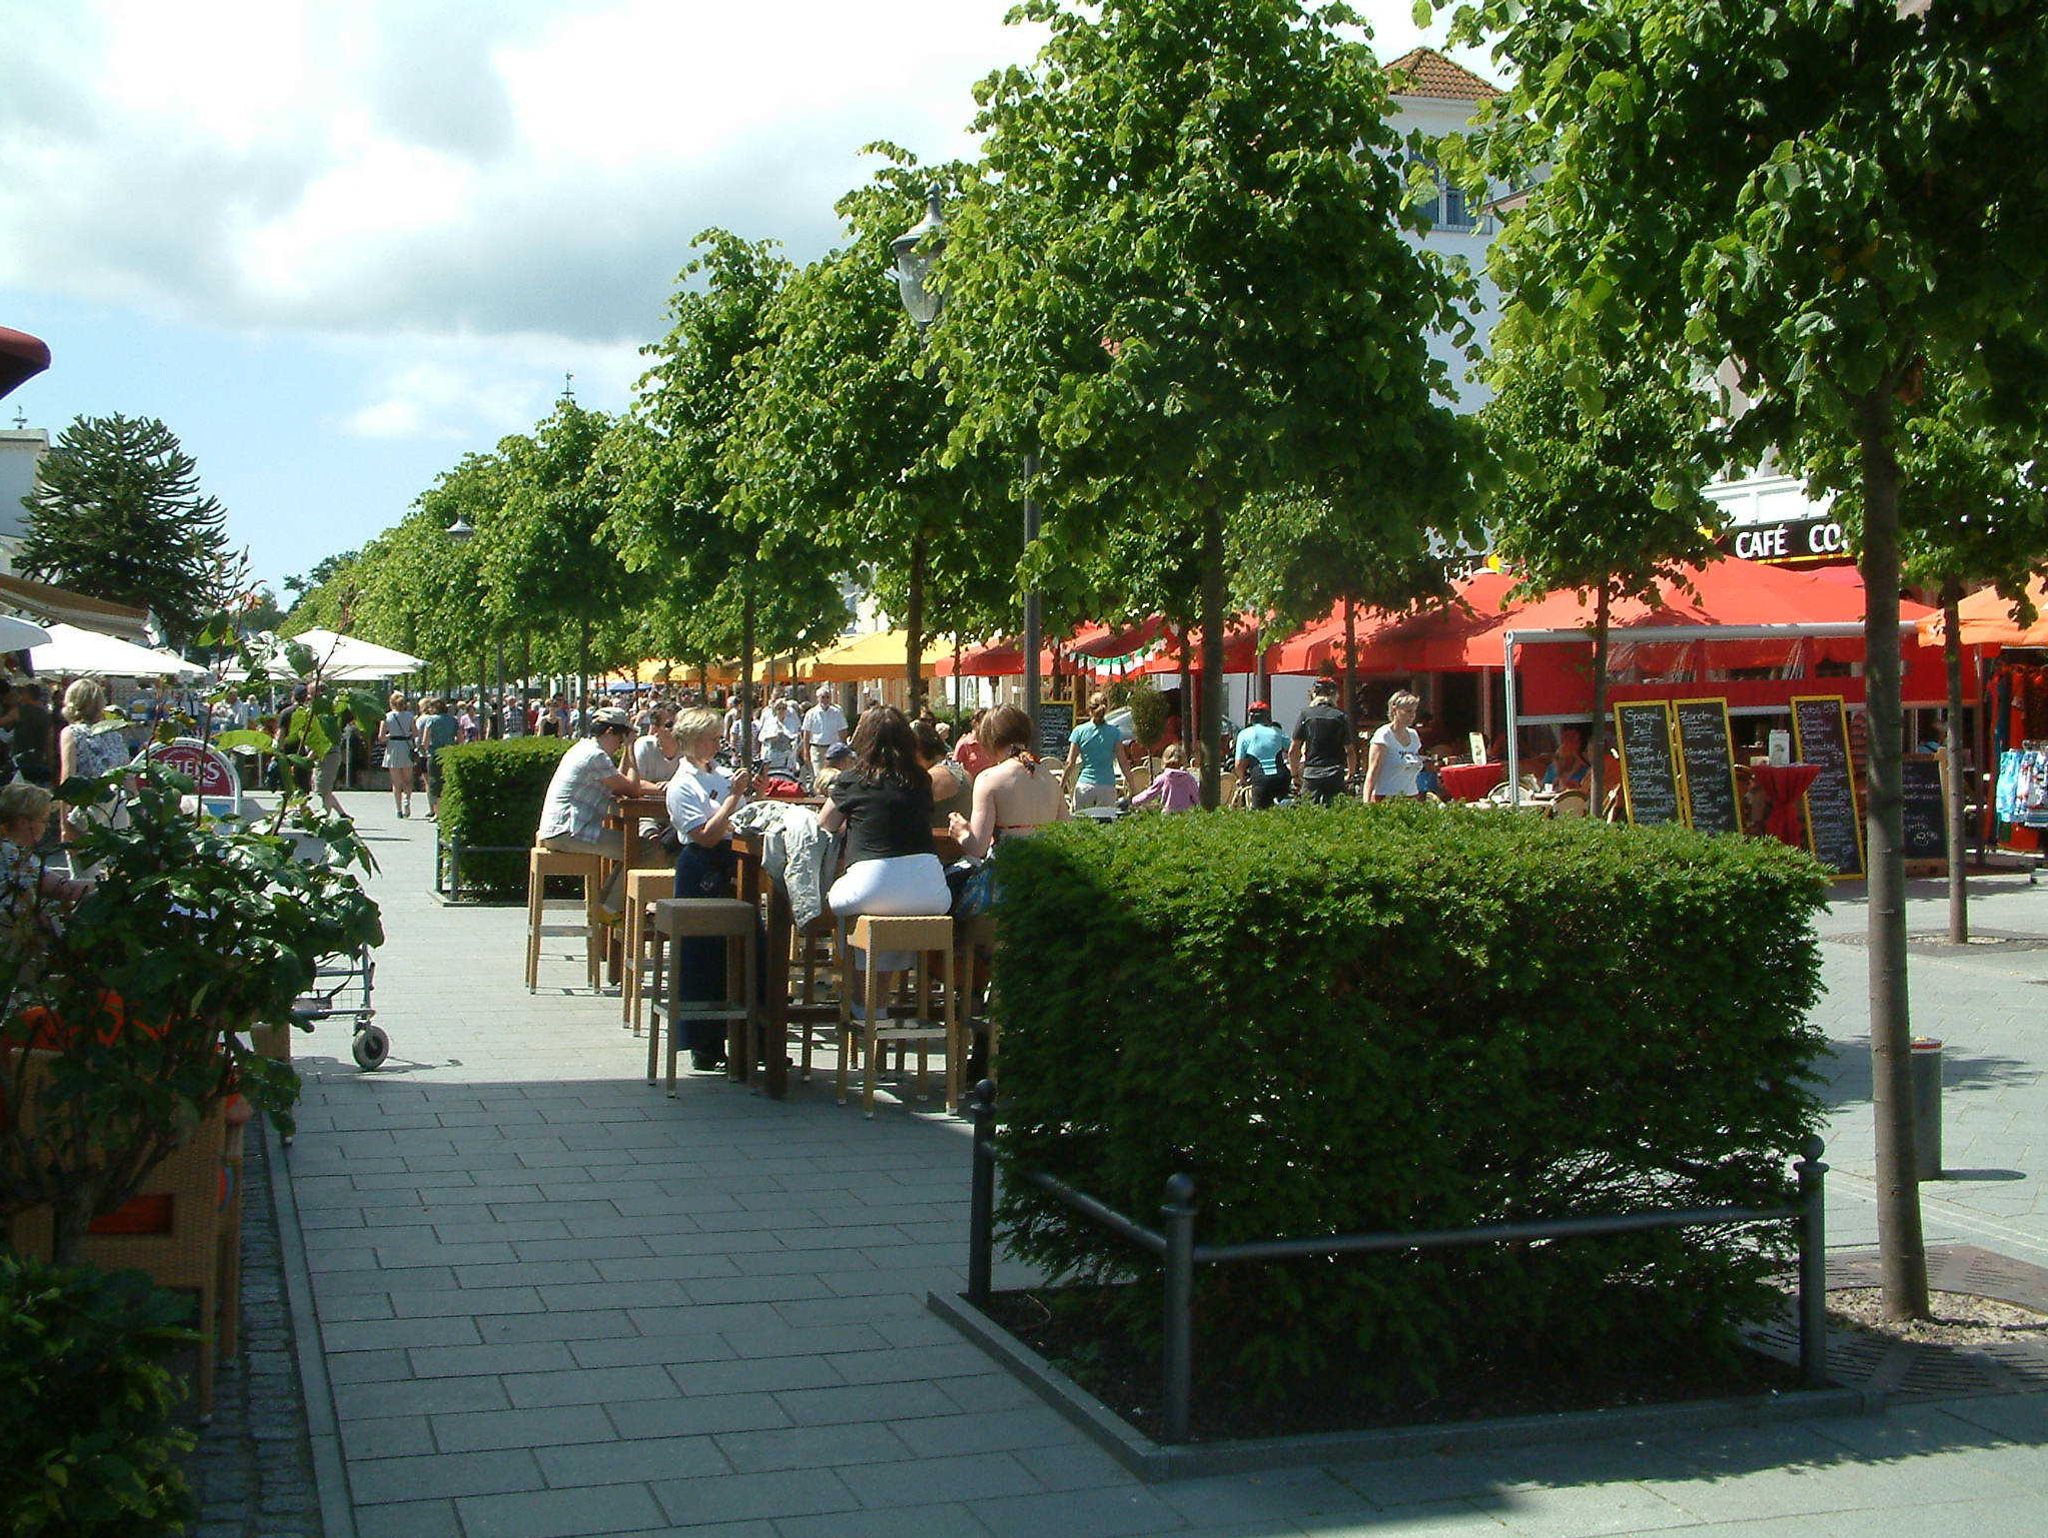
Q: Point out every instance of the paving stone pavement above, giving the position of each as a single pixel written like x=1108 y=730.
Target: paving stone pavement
x=252 y=1470
x=552 y=1302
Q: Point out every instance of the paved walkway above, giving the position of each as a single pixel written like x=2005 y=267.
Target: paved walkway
x=554 y=1302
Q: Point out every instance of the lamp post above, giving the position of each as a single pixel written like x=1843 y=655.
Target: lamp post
x=915 y=250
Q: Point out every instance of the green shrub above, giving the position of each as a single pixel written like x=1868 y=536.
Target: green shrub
x=491 y=797
x=86 y=1395
x=1363 y=1019
x=1148 y=706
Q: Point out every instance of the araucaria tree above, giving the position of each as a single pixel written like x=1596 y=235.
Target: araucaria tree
x=1600 y=488
x=1183 y=279
x=1831 y=197
x=117 y=513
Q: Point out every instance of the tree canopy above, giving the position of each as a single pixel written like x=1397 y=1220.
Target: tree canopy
x=117 y=513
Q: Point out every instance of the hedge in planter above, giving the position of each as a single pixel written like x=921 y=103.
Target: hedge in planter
x=1362 y=1019
x=491 y=796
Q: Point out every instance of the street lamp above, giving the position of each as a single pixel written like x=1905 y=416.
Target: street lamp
x=914 y=251
x=460 y=530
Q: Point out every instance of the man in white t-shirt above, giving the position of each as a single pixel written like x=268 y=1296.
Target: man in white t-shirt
x=585 y=785
x=776 y=742
x=823 y=728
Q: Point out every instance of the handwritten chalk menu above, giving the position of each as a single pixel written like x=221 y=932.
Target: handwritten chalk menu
x=1926 y=807
x=1055 y=725
x=1834 y=826
x=1649 y=767
x=1707 y=746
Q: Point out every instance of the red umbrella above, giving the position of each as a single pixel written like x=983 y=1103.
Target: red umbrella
x=22 y=357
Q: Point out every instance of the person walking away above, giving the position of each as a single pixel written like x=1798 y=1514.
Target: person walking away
x=1261 y=756
x=396 y=733
x=701 y=802
x=884 y=802
x=1325 y=750
x=1394 y=758
x=1095 y=751
x=437 y=730
x=823 y=728
x=1176 y=789
x=583 y=789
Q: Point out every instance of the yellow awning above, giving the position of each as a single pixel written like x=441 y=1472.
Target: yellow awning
x=871 y=656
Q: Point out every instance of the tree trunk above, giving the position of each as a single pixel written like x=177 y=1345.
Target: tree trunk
x=1351 y=679
x=1596 y=739
x=1901 y=1247
x=69 y=1220
x=1213 y=577
x=1187 y=699
x=583 y=671
x=913 y=628
x=1952 y=744
x=747 y=673
x=956 y=682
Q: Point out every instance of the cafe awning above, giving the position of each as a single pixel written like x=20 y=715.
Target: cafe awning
x=47 y=602
x=880 y=655
x=1986 y=619
x=74 y=652
x=22 y=357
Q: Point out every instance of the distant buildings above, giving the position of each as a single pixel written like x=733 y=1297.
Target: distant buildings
x=21 y=449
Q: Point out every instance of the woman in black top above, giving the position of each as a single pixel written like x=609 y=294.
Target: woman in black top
x=884 y=802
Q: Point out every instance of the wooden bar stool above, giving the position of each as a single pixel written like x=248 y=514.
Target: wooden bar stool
x=644 y=943
x=541 y=863
x=923 y=937
x=733 y=920
x=811 y=949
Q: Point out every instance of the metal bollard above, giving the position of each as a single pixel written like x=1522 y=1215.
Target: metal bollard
x=981 y=1221
x=1813 y=1264
x=1179 y=1355
x=1926 y=1060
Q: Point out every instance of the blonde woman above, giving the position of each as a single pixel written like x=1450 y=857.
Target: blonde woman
x=701 y=803
x=85 y=748
x=1394 y=762
x=1095 y=752
x=396 y=733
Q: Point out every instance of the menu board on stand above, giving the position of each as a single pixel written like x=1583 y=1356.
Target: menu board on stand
x=1055 y=725
x=1924 y=778
x=1706 y=744
x=1650 y=774
x=1834 y=822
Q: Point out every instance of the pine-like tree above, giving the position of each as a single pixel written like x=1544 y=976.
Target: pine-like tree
x=117 y=513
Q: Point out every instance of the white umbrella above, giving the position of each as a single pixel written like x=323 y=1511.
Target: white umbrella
x=20 y=634
x=349 y=658
x=72 y=650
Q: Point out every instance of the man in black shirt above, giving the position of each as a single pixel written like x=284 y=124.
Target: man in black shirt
x=1325 y=750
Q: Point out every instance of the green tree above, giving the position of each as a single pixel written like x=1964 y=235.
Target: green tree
x=117 y=513
x=1184 y=277
x=735 y=572
x=1600 y=492
x=845 y=430
x=1828 y=198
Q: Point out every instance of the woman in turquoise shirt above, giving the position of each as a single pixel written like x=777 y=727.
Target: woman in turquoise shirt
x=1094 y=752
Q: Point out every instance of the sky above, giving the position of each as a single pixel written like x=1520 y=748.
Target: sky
x=336 y=246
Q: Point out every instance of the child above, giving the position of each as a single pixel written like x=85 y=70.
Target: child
x=1176 y=789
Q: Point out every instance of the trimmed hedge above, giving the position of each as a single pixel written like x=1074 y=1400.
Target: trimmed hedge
x=1363 y=1019
x=491 y=796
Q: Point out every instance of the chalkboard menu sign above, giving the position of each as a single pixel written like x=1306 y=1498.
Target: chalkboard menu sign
x=1055 y=725
x=1926 y=807
x=1834 y=827
x=1649 y=768
x=1708 y=748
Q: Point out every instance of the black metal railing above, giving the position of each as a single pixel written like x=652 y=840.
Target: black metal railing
x=1174 y=1243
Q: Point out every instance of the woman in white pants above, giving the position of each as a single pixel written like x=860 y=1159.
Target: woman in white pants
x=884 y=802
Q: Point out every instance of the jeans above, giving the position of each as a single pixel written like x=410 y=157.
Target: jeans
x=1322 y=786
x=700 y=962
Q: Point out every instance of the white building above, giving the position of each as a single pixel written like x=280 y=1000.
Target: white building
x=21 y=450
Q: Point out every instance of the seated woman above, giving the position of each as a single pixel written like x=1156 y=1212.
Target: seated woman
x=952 y=786
x=1016 y=794
x=701 y=802
x=1569 y=767
x=883 y=799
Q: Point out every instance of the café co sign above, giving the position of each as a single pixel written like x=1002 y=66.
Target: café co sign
x=1789 y=542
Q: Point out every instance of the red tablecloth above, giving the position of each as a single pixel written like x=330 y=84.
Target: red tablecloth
x=1469 y=782
x=1785 y=784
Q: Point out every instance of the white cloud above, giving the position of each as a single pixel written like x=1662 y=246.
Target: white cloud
x=477 y=389
x=445 y=167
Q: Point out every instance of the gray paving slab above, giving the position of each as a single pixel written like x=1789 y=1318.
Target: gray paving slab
x=554 y=1301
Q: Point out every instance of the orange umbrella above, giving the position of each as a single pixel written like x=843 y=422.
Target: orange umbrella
x=1986 y=619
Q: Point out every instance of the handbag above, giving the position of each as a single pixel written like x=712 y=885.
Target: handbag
x=976 y=891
